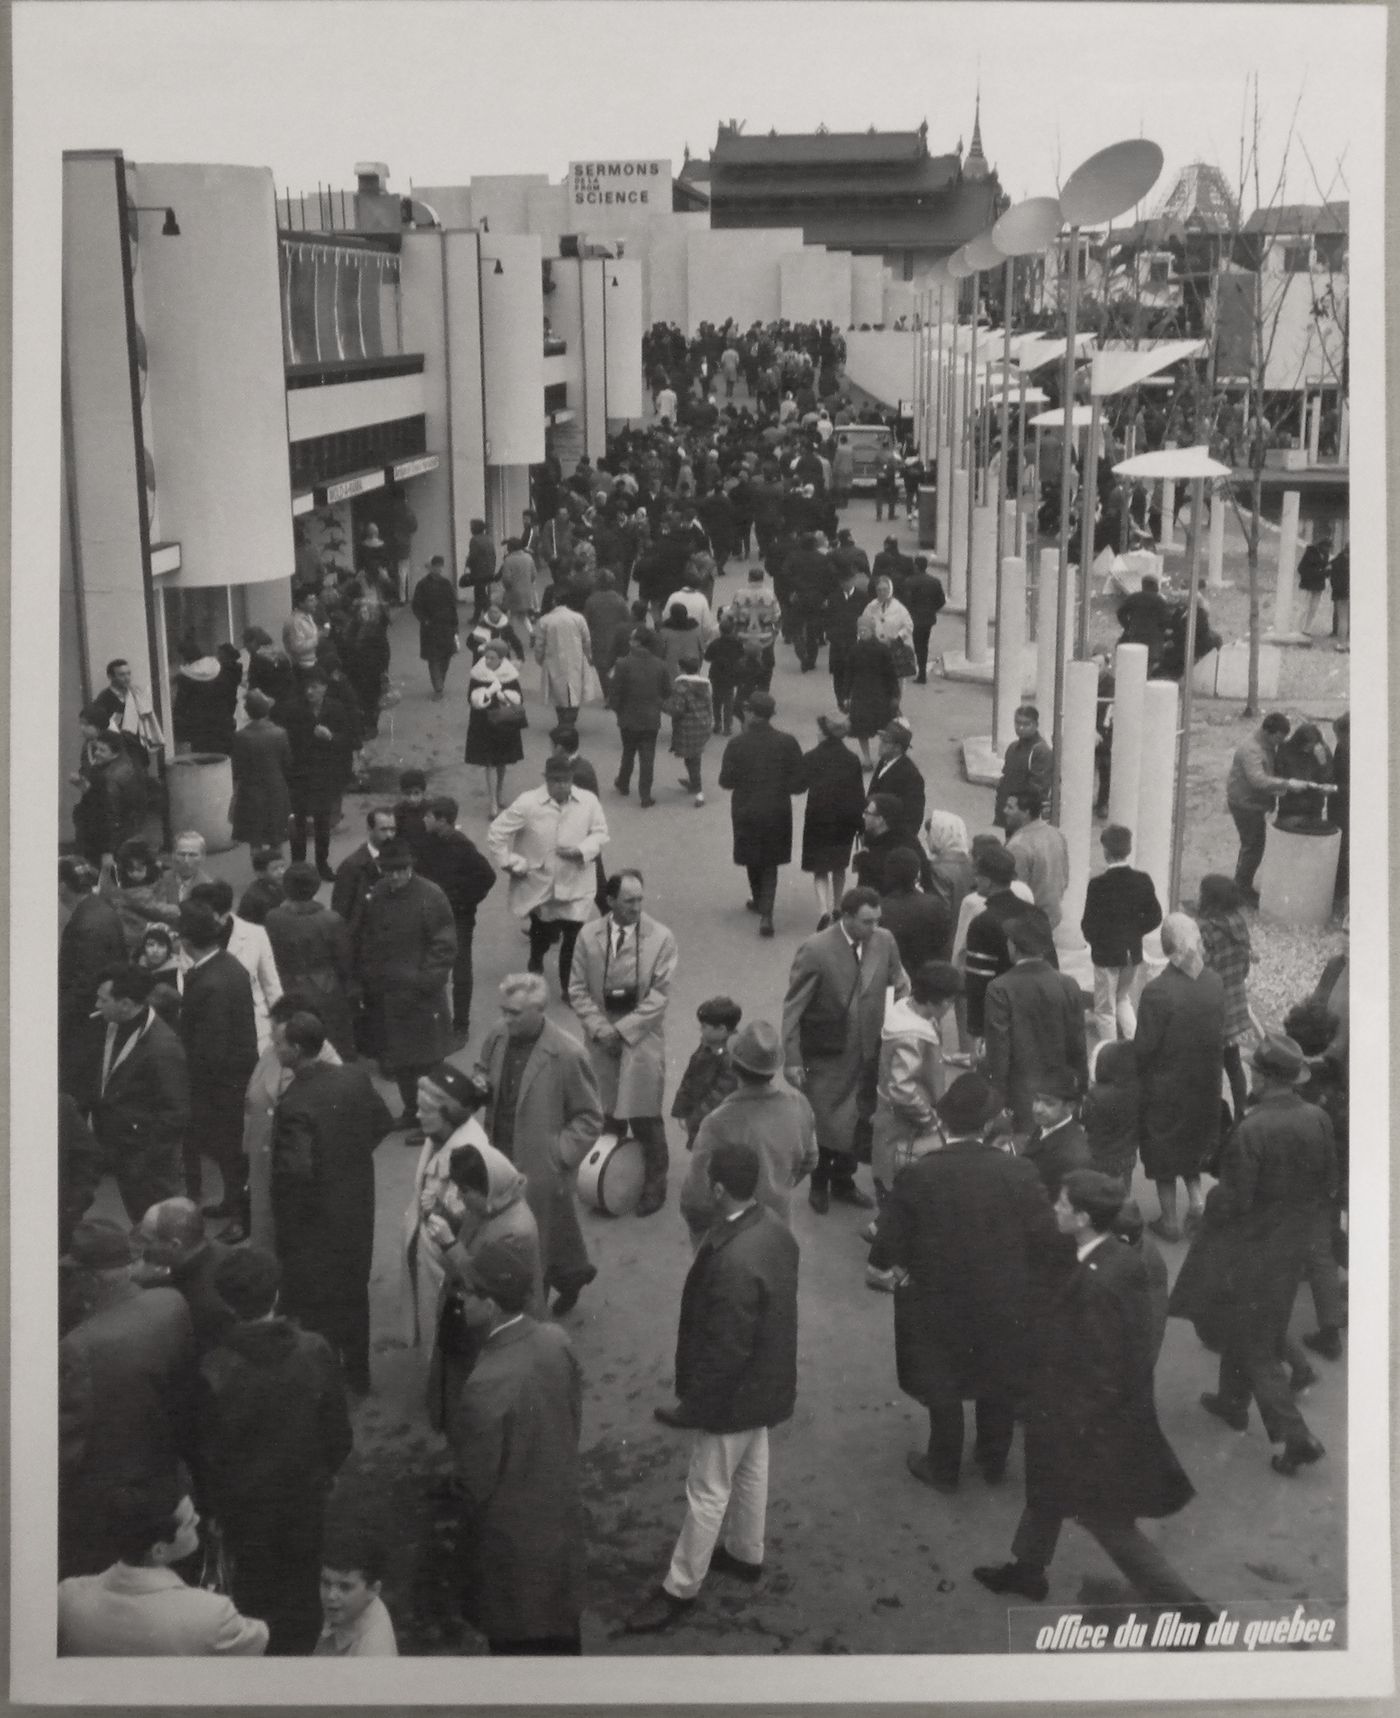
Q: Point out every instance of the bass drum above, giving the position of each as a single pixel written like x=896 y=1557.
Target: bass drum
x=610 y=1177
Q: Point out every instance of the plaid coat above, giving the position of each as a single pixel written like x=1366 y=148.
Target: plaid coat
x=1225 y=944
x=691 y=719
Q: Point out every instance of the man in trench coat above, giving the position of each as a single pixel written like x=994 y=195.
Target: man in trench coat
x=969 y=1224
x=620 y=988
x=762 y=768
x=435 y=609
x=545 y=1115
x=1095 y=1453
x=405 y=947
x=833 y=1015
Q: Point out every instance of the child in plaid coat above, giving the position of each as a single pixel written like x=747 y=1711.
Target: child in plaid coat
x=709 y=1077
x=691 y=721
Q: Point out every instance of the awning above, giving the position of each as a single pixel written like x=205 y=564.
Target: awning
x=418 y=466
x=1173 y=464
x=1034 y=353
x=1083 y=417
x=1115 y=372
x=357 y=483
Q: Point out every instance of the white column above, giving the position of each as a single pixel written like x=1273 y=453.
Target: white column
x=944 y=500
x=957 y=538
x=1287 y=565
x=1048 y=582
x=1314 y=427
x=1215 y=569
x=1152 y=839
x=1076 y=806
x=1129 y=683
x=1344 y=435
x=1011 y=645
x=981 y=581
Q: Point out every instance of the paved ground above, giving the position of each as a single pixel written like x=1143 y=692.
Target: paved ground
x=860 y=1557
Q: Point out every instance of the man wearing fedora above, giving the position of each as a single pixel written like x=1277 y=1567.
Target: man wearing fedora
x=964 y=1225
x=1241 y=1277
x=833 y=1016
x=896 y=773
x=762 y=1112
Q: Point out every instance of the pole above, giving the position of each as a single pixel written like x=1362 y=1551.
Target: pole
x=1062 y=604
x=1183 y=755
x=954 y=429
x=1022 y=531
x=938 y=360
x=1000 y=666
x=974 y=426
x=1088 y=506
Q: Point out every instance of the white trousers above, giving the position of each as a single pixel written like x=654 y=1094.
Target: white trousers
x=727 y=1487
x=1115 y=995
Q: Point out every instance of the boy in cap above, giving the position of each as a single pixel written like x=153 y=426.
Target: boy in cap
x=1057 y=1143
x=709 y=1076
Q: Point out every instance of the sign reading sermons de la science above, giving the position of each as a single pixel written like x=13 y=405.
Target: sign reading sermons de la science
x=604 y=191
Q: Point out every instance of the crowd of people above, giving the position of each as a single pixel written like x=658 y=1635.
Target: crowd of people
x=212 y=1352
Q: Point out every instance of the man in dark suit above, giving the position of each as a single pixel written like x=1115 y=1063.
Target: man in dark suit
x=220 y=1035
x=1034 y=1022
x=126 y=1388
x=965 y=1225
x=359 y=871
x=882 y=839
x=1120 y=908
x=923 y=595
x=896 y=773
x=736 y=1375
x=1095 y=1453
x=137 y=1091
x=762 y=769
x=179 y=1254
x=328 y=1122
x=1057 y=1142
x=453 y=861
x=845 y=604
x=90 y=943
x=480 y=572
x=920 y=924
x=833 y=1015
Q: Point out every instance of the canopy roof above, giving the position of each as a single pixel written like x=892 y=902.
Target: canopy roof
x=1173 y=463
x=1114 y=372
x=1083 y=417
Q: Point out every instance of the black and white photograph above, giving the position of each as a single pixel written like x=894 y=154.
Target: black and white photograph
x=688 y=671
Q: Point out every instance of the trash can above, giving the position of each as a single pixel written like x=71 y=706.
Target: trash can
x=1298 y=875
x=200 y=786
x=928 y=516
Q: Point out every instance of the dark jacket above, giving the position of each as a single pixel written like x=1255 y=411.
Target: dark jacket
x=869 y=861
x=1055 y=1153
x=1026 y=763
x=874 y=695
x=217 y=1028
x=355 y=876
x=328 y=1122
x=762 y=768
x=262 y=772
x=843 y=609
x=835 y=785
x=210 y=1314
x=1093 y=1443
x=312 y=949
x=112 y=809
x=736 y=1350
x=1143 y=617
x=274 y=1429
x=1109 y=1112
x=1120 y=908
x=481 y=560
x=460 y=869
x=1180 y=1050
x=708 y=1080
x=637 y=689
x=90 y=942
x=514 y=1434
x=147 y=1097
x=320 y=768
x=125 y=1405
x=969 y=1223
x=403 y=947
x=435 y=610
x=921 y=926
x=987 y=954
x=901 y=778
x=80 y=1168
x=1034 y=1018
x=923 y=595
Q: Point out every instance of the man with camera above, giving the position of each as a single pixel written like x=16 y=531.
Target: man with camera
x=620 y=987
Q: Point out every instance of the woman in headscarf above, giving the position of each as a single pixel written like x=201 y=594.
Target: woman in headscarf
x=950 y=859
x=1180 y=1046
x=1226 y=946
x=889 y=615
x=133 y=892
x=835 y=785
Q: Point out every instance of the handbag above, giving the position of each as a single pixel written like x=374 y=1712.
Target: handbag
x=905 y=663
x=507 y=716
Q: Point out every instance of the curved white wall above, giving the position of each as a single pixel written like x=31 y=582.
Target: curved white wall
x=512 y=313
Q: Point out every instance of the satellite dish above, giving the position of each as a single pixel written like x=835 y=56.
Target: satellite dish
x=959 y=268
x=1028 y=227
x=1109 y=183
x=982 y=252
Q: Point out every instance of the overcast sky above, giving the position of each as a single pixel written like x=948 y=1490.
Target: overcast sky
x=445 y=90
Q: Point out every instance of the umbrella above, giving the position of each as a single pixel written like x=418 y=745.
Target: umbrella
x=1082 y=418
x=1173 y=464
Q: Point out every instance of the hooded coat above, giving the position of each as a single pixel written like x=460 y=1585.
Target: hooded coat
x=911 y=1080
x=1180 y=1046
x=1109 y=1112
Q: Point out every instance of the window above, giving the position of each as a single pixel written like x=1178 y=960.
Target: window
x=1331 y=250
x=1159 y=271
x=1297 y=258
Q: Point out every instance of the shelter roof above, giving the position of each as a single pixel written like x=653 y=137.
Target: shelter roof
x=819 y=148
x=1295 y=219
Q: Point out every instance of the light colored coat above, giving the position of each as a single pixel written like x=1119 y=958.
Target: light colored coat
x=778 y=1123
x=517 y=576
x=424 y=1269
x=269 y=1081
x=631 y=1075
x=249 y=946
x=564 y=650
x=911 y=1081
x=127 y=1612
x=524 y=842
